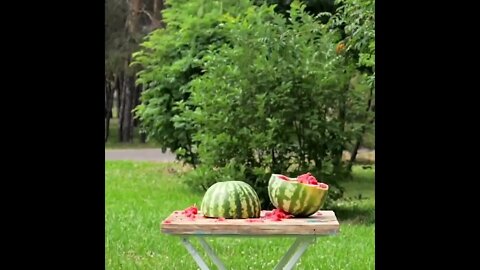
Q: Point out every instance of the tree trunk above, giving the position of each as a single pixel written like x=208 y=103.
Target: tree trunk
x=157 y=9
x=121 y=108
x=136 y=98
x=107 y=116
x=118 y=89
x=107 y=128
x=353 y=157
x=128 y=88
x=133 y=20
x=359 y=141
x=108 y=106
x=143 y=137
x=155 y=16
x=127 y=105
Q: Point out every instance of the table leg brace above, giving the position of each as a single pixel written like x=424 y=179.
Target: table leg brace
x=196 y=256
x=211 y=253
x=294 y=253
x=287 y=262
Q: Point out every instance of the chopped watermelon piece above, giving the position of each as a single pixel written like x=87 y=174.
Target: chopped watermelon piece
x=190 y=211
x=277 y=215
x=283 y=177
x=307 y=178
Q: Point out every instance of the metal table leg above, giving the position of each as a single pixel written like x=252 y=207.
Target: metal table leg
x=287 y=262
x=211 y=253
x=196 y=256
x=294 y=253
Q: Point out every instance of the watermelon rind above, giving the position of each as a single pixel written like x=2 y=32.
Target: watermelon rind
x=231 y=200
x=297 y=199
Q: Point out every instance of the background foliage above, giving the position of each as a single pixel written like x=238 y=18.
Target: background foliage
x=241 y=89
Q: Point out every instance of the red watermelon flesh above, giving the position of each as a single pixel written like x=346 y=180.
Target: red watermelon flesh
x=277 y=215
x=307 y=179
x=190 y=212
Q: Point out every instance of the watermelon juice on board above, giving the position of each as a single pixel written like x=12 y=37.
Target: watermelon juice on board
x=293 y=197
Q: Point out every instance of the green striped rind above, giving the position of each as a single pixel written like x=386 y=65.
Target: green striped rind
x=295 y=198
x=231 y=199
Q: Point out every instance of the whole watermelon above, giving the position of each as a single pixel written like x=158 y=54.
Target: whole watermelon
x=300 y=197
x=231 y=199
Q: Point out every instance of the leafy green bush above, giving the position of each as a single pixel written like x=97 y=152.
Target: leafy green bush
x=241 y=92
x=355 y=19
x=275 y=99
x=169 y=61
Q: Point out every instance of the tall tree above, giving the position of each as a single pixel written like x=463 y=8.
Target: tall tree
x=127 y=22
x=129 y=89
x=109 y=89
x=116 y=50
x=357 y=20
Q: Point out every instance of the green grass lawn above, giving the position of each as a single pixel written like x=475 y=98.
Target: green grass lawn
x=139 y=195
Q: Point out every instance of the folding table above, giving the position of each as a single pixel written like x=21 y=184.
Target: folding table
x=305 y=230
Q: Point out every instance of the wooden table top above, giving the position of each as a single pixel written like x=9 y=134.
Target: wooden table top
x=320 y=223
